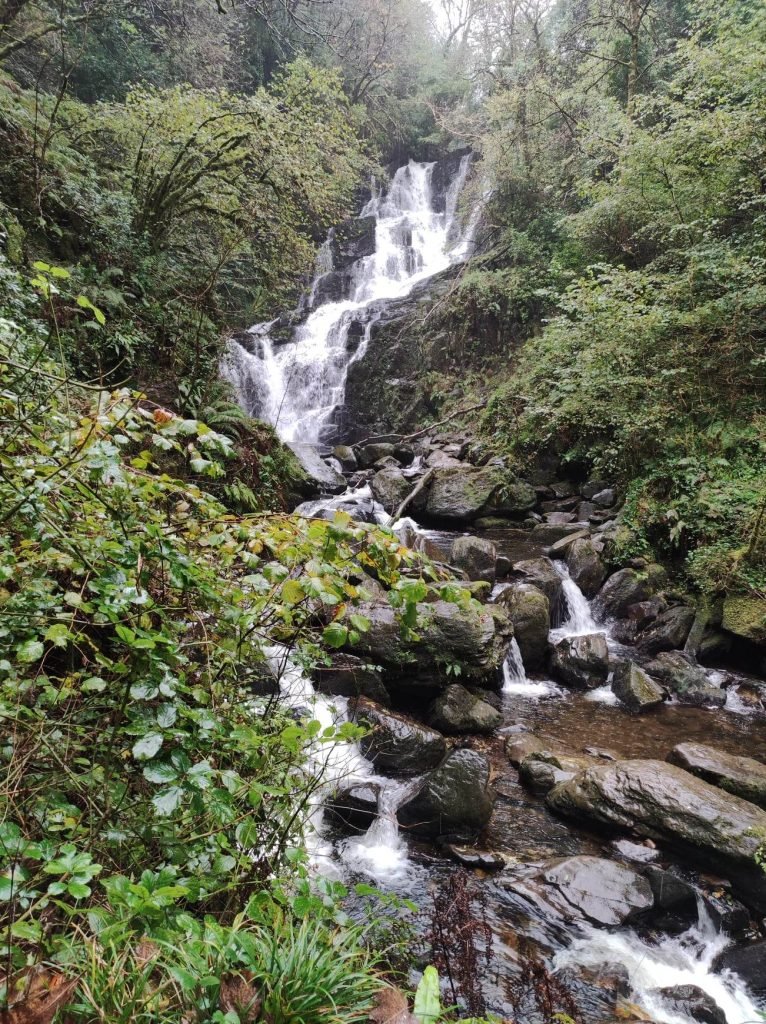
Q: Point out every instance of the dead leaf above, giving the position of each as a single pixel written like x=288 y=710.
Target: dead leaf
x=391 y=1007
x=240 y=995
x=35 y=997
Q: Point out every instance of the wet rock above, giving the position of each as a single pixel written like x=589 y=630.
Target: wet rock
x=585 y=566
x=547 y=534
x=749 y=962
x=673 y=895
x=585 y=510
x=467 y=492
x=685 y=680
x=439 y=459
x=372 y=453
x=351 y=677
x=404 y=454
x=714 y=647
x=396 y=743
x=643 y=613
x=541 y=770
x=603 y=892
x=502 y=567
x=475 y=556
x=458 y=711
x=529 y=611
x=727 y=914
x=475 y=638
x=470 y=857
x=581 y=661
x=745 y=616
x=669 y=630
x=627 y=587
x=691 y=1001
x=541 y=572
x=664 y=802
x=322 y=479
x=455 y=798
x=637 y=691
x=356 y=807
x=559 y=518
x=743 y=776
x=352 y=240
x=521 y=745
x=592 y=488
x=345 y=456
x=563 y=488
x=605 y=498
x=390 y=487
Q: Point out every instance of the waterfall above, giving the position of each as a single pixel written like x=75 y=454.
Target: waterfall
x=578 y=618
x=674 y=960
x=514 y=675
x=298 y=383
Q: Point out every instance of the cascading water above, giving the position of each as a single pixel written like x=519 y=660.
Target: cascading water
x=298 y=384
x=578 y=620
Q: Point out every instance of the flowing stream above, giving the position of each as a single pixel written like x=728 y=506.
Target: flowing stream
x=298 y=383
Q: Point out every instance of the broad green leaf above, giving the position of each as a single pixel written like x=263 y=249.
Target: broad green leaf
x=427 y=997
x=146 y=747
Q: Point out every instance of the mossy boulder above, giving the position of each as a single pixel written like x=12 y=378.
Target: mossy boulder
x=745 y=616
x=464 y=493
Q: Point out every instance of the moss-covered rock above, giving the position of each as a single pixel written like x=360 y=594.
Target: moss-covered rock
x=745 y=616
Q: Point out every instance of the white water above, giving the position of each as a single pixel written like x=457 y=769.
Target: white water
x=297 y=385
x=579 y=619
x=676 y=960
x=381 y=851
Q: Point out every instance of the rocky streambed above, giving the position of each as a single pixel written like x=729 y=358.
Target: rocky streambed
x=583 y=742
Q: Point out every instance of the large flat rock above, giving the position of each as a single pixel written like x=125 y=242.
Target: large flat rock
x=743 y=776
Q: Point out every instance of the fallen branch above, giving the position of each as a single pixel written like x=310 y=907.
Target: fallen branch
x=413 y=494
x=377 y=438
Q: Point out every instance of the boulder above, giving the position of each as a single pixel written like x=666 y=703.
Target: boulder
x=664 y=802
x=541 y=770
x=355 y=807
x=346 y=457
x=745 y=616
x=521 y=745
x=474 y=637
x=637 y=691
x=348 y=676
x=690 y=1001
x=439 y=459
x=668 y=632
x=685 y=680
x=605 y=498
x=465 y=492
x=600 y=891
x=372 y=453
x=624 y=588
x=322 y=479
x=581 y=661
x=585 y=566
x=548 y=534
x=390 y=487
x=749 y=962
x=475 y=556
x=592 y=488
x=397 y=744
x=542 y=573
x=743 y=776
x=674 y=896
x=530 y=613
x=455 y=798
x=458 y=711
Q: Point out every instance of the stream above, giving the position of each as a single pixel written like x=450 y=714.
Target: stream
x=297 y=385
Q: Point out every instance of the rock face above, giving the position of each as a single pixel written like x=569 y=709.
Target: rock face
x=637 y=691
x=323 y=478
x=397 y=744
x=476 y=556
x=458 y=711
x=664 y=802
x=529 y=611
x=603 y=892
x=669 y=630
x=748 y=962
x=464 y=493
x=477 y=638
x=691 y=1001
x=455 y=798
x=686 y=681
x=743 y=776
x=581 y=661
x=585 y=566
x=351 y=241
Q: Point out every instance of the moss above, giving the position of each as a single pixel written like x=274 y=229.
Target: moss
x=745 y=616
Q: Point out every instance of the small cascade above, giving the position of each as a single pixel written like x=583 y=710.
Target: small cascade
x=298 y=383
x=514 y=674
x=381 y=852
x=576 y=612
x=685 y=959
